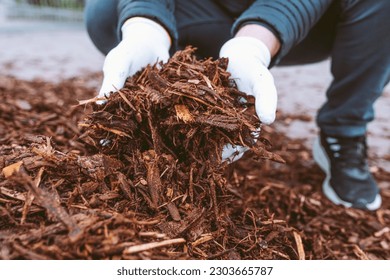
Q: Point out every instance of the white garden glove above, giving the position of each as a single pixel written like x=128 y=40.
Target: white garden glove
x=143 y=42
x=249 y=59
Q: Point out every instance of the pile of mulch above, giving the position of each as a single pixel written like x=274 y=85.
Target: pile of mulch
x=141 y=177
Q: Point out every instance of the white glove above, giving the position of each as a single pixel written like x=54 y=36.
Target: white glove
x=249 y=59
x=143 y=42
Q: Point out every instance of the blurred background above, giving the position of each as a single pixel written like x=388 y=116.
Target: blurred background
x=47 y=40
x=68 y=10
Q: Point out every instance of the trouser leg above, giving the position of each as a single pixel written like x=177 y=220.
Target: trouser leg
x=101 y=19
x=355 y=33
x=202 y=24
x=318 y=43
x=360 y=67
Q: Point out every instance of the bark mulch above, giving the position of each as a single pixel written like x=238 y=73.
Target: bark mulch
x=141 y=176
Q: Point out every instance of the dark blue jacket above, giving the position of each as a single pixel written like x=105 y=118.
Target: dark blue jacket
x=289 y=20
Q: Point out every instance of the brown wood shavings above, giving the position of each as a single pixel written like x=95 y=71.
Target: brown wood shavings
x=67 y=197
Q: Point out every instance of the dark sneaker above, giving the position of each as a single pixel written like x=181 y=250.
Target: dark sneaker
x=348 y=179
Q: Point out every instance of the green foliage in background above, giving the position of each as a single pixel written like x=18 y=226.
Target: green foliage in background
x=67 y=4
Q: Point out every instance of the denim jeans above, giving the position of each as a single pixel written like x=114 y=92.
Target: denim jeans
x=355 y=34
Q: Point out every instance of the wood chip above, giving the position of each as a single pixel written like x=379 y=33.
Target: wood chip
x=10 y=170
x=153 y=245
x=300 y=249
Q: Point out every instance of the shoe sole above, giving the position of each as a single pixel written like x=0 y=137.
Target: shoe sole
x=323 y=162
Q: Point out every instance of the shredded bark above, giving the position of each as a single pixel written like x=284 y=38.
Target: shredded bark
x=141 y=176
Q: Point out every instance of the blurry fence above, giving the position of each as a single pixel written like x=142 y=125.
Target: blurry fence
x=59 y=10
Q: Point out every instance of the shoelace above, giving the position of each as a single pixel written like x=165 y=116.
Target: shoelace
x=348 y=151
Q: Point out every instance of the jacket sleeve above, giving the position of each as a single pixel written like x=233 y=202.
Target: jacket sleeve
x=289 y=20
x=161 y=11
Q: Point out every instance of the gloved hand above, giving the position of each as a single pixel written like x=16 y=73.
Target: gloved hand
x=143 y=42
x=249 y=59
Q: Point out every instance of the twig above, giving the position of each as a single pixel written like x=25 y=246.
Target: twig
x=301 y=250
x=203 y=239
x=126 y=100
x=12 y=193
x=153 y=245
x=359 y=253
x=29 y=253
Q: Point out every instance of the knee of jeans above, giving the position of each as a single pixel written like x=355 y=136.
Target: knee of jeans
x=100 y=17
